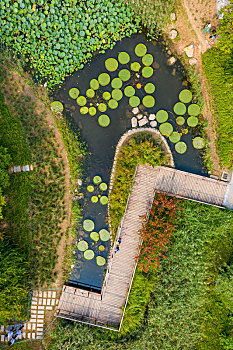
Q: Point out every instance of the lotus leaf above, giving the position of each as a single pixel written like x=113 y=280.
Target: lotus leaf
x=123 y=57
x=147 y=72
x=90 y=188
x=134 y=101
x=92 y=111
x=181 y=147
x=100 y=261
x=129 y=91
x=106 y=95
x=185 y=96
x=192 y=121
x=104 y=120
x=102 y=107
x=90 y=93
x=111 y=64
x=101 y=248
x=147 y=60
x=148 y=101
x=161 y=116
x=88 y=225
x=149 y=88
x=104 y=235
x=113 y=104
x=180 y=120
x=84 y=110
x=89 y=254
x=57 y=106
x=103 y=200
x=116 y=83
x=198 y=143
x=95 y=236
x=166 y=129
x=81 y=100
x=74 y=93
x=94 y=84
x=193 y=110
x=124 y=74
x=117 y=94
x=94 y=199
x=97 y=180
x=174 y=137
x=104 y=79
x=140 y=50
x=103 y=186
x=82 y=246
x=135 y=66
x=179 y=108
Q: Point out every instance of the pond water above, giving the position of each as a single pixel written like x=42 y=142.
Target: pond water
x=102 y=141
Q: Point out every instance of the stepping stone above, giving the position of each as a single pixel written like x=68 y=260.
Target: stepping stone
x=40 y=294
x=49 y=308
x=40 y=301
x=153 y=124
x=15 y=171
x=31 y=167
x=152 y=117
x=18 y=169
x=41 y=307
x=140 y=116
x=34 y=302
x=44 y=301
x=134 y=122
x=143 y=121
x=27 y=168
x=49 y=294
x=40 y=312
x=135 y=110
x=24 y=335
x=39 y=330
x=54 y=295
x=40 y=321
x=34 y=307
x=39 y=337
x=39 y=333
x=34 y=326
x=33 y=320
x=29 y=335
x=173 y=34
x=40 y=316
x=23 y=169
x=53 y=302
x=2 y=329
x=2 y=337
x=48 y=301
x=33 y=335
x=34 y=299
x=29 y=326
x=45 y=294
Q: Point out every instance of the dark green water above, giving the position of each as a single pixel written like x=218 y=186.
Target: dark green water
x=102 y=141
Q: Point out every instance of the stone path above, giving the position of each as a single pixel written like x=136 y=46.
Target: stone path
x=18 y=169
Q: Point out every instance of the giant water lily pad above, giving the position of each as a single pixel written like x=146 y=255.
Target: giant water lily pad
x=147 y=72
x=149 y=88
x=97 y=179
x=95 y=236
x=135 y=66
x=113 y=104
x=92 y=111
x=102 y=107
x=116 y=83
x=104 y=79
x=129 y=91
x=94 y=84
x=179 y=108
x=100 y=260
x=88 y=225
x=193 y=110
x=140 y=50
x=181 y=147
x=148 y=101
x=111 y=64
x=192 y=121
x=185 y=96
x=147 y=60
x=124 y=74
x=103 y=186
x=89 y=254
x=90 y=93
x=74 y=93
x=123 y=57
x=161 y=116
x=84 y=110
x=82 y=246
x=94 y=199
x=134 y=101
x=81 y=100
x=166 y=129
x=198 y=143
x=180 y=120
x=90 y=188
x=57 y=106
x=174 y=137
x=103 y=200
x=104 y=235
x=117 y=94
x=106 y=95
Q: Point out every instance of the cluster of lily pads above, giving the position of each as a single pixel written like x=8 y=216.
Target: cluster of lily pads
x=103 y=235
x=102 y=186
x=58 y=37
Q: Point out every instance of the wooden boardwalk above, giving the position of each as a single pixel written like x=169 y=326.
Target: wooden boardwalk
x=107 y=309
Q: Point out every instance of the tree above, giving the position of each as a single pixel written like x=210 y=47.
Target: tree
x=225 y=30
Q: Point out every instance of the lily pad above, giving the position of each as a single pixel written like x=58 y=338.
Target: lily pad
x=82 y=246
x=193 y=110
x=97 y=180
x=94 y=199
x=103 y=186
x=84 y=110
x=95 y=236
x=179 y=108
x=111 y=64
x=129 y=91
x=135 y=66
x=90 y=93
x=104 y=79
x=106 y=95
x=103 y=200
x=198 y=143
x=74 y=93
x=94 y=84
x=90 y=188
x=192 y=121
x=148 y=101
x=102 y=107
x=174 y=137
x=140 y=50
x=113 y=104
x=101 y=248
x=81 y=100
x=57 y=106
x=180 y=120
x=185 y=96
x=88 y=225
x=149 y=88
x=181 y=147
x=147 y=60
x=161 y=116
x=89 y=254
x=104 y=235
x=147 y=72
x=100 y=260
x=166 y=129
x=124 y=74
x=92 y=111
x=116 y=83
x=134 y=101
x=123 y=57
x=117 y=94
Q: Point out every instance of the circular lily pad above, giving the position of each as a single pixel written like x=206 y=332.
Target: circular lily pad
x=92 y=111
x=198 y=143
x=180 y=120
x=147 y=72
x=129 y=91
x=140 y=50
x=161 y=116
x=117 y=94
x=103 y=200
x=101 y=248
x=94 y=199
x=116 y=83
x=104 y=79
x=81 y=100
x=90 y=188
x=179 y=108
x=82 y=246
x=94 y=84
x=103 y=186
x=135 y=66
x=181 y=147
x=124 y=74
x=106 y=95
x=192 y=121
x=147 y=60
x=149 y=88
x=185 y=96
x=174 y=137
x=100 y=261
x=111 y=64
x=193 y=110
x=90 y=93
x=102 y=107
x=134 y=101
x=97 y=180
x=148 y=101
x=104 y=235
x=74 y=93
x=89 y=254
x=95 y=236
x=166 y=129
x=84 y=110
x=113 y=104
x=57 y=106
x=88 y=225
x=123 y=57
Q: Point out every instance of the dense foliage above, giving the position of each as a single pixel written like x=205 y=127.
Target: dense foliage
x=225 y=42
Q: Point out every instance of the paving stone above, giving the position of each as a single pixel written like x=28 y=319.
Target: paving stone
x=32 y=320
x=57 y=301
x=33 y=312
x=41 y=307
x=40 y=321
x=39 y=337
x=44 y=301
x=40 y=316
x=40 y=301
x=40 y=312
x=49 y=308
x=2 y=337
x=39 y=329
x=34 y=302
x=29 y=326
x=24 y=335
x=39 y=333
x=40 y=294
x=53 y=302
x=29 y=335
x=49 y=294
x=34 y=307
x=45 y=294
x=34 y=299
x=33 y=335
x=20 y=336
x=54 y=295
x=35 y=293
x=48 y=301
x=33 y=326
x=2 y=329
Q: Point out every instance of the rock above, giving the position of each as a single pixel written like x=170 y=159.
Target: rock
x=173 y=16
x=171 y=60
x=140 y=116
x=192 y=61
x=152 y=117
x=134 y=122
x=153 y=124
x=189 y=50
x=79 y=182
x=135 y=110
x=143 y=121
x=173 y=34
